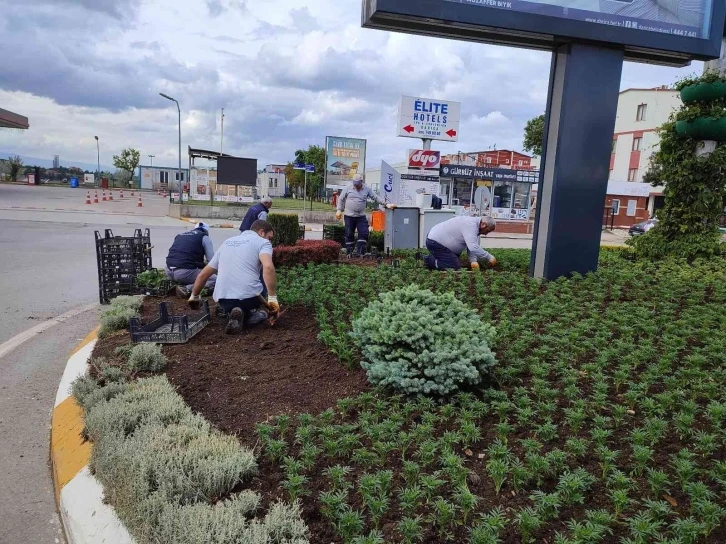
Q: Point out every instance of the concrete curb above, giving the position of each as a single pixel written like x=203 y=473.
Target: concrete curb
x=85 y=518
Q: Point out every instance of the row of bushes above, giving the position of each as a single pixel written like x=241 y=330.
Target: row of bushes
x=306 y=252
x=119 y=313
x=166 y=472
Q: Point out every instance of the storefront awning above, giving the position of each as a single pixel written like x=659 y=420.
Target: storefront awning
x=9 y=119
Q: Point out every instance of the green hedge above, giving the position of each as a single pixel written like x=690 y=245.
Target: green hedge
x=336 y=233
x=287 y=229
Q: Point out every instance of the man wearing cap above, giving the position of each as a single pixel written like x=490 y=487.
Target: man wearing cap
x=186 y=258
x=352 y=205
x=258 y=212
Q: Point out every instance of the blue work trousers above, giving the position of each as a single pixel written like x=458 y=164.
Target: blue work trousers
x=441 y=257
x=351 y=225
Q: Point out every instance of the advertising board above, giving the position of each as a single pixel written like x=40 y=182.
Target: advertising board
x=428 y=118
x=236 y=171
x=424 y=158
x=670 y=32
x=344 y=158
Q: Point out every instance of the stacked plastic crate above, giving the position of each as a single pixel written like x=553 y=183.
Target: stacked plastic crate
x=120 y=260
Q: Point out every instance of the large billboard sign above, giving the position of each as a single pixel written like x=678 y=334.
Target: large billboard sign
x=671 y=32
x=344 y=158
x=428 y=118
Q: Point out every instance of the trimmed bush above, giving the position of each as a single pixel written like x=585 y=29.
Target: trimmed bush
x=336 y=233
x=147 y=358
x=286 y=227
x=415 y=341
x=306 y=252
x=117 y=316
x=375 y=240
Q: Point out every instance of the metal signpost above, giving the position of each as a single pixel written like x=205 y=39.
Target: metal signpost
x=589 y=42
x=306 y=168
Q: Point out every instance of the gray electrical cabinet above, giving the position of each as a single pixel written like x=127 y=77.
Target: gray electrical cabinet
x=402 y=231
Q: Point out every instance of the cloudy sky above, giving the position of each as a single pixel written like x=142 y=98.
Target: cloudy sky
x=287 y=73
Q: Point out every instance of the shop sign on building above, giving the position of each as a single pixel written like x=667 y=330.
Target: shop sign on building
x=428 y=118
x=495 y=174
x=424 y=158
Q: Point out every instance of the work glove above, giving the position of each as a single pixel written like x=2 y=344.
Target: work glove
x=475 y=265
x=493 y=262
x=273 y=305
x=339 y=215
x=195 y=301
x=391 y=206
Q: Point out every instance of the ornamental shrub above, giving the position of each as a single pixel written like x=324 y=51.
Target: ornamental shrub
x=146 y=357
x=287 y=229
x=306 y=252
x=415 y=341
x=117 y=316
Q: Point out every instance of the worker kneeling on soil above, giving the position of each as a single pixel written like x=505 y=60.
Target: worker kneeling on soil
x=447 y=240
x=238 y=291
x=186 y=258
x=352 y=204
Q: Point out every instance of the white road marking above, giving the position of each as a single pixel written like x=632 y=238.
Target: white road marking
x=19 y=339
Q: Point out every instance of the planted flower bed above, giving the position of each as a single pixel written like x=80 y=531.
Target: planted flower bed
x=600 y=419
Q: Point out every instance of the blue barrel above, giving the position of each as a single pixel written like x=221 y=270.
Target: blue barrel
x=74 y=183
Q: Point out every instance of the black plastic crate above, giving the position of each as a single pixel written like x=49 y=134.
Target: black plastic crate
x=169 y=329
x=119 y=260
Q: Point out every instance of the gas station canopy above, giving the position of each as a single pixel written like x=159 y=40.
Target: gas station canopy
x=9 y=119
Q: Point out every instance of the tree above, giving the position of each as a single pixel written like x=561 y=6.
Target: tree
x=127 y=161
x=534 y=135
x=314 y=155
x=16 y=163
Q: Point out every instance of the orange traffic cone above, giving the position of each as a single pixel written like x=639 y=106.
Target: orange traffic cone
x=95 y=198
x=121 y=194
x=139 y=205
x=110 y=194
x=88 y=197
x=132 y=192
x=103 y=196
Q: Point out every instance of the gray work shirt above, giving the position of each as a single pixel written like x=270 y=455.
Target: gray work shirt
x=208 y=248
x=352 y=202
x=238 y=266
x=458 y=234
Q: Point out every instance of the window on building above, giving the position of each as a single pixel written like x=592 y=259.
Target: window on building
x=615 y=205
x=163 y=177
x=271 y=182
x=640 y=114
x=176 y=176
x=489 y=160
x=636 y=143
x=521 y=163
x=632 y=174
x=615 y=142
x=631 y=208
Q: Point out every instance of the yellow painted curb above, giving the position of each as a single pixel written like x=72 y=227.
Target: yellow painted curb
x=87 y=340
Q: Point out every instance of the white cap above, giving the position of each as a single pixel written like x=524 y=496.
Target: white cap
x=202 y=226
x=357 y=179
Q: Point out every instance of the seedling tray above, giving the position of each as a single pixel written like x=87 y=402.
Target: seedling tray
x=168 y=329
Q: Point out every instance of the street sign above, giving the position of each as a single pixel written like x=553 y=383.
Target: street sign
x=424 y=158
x=428 y=118
x=310 y=168
x=298 y=166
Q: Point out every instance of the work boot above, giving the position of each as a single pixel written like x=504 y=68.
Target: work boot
x=258 y=316
x=182 y=292
x=235 y=323
x=360 y=248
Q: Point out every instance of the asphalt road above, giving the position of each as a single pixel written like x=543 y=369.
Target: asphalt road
x=49 y=268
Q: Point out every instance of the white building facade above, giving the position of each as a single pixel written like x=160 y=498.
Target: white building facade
x=271 y=181
x=640 y=113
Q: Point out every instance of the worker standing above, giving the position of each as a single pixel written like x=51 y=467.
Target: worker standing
x=447 y=240
x=238 y=290
x=257 y=212
x=352 y=205
x=186 y=258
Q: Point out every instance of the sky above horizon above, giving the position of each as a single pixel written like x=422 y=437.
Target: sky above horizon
x=285 y=75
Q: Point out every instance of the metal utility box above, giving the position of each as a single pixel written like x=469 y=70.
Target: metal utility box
x=429 y=219
x=402 y=228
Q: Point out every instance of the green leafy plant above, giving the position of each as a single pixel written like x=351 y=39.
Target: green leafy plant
x=286 y=228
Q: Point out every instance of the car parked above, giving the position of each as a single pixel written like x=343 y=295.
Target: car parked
x=643 y=227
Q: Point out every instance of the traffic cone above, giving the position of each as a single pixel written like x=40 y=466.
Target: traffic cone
x=103 y=196
x=88 y=197
x=121 y=194
x=95 y=198
x=139 y=205
x=110 y=194
x=132 y=192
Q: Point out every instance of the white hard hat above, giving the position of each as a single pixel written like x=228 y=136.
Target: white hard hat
x=202 y=226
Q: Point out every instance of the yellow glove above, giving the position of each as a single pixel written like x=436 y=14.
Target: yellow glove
x=339 y=215
x=273 y=305
x=475 y=266
x=493 y=262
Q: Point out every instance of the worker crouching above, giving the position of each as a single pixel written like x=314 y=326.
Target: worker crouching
x=446 y=241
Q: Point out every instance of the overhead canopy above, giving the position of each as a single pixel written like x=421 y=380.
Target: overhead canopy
x=9 y=119
x=205 y=154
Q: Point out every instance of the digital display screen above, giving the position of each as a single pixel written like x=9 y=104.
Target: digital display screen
x=687 y=18
x=236 y=171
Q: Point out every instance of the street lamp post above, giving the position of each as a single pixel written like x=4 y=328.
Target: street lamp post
x=98 y=155
x=151 y=158
x=179 y=173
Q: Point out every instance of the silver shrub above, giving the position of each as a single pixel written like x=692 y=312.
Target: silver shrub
x=415 y=341
x=146 y=357
x=118 y=314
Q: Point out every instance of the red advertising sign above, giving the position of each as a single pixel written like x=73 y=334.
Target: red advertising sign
x=419 y=158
